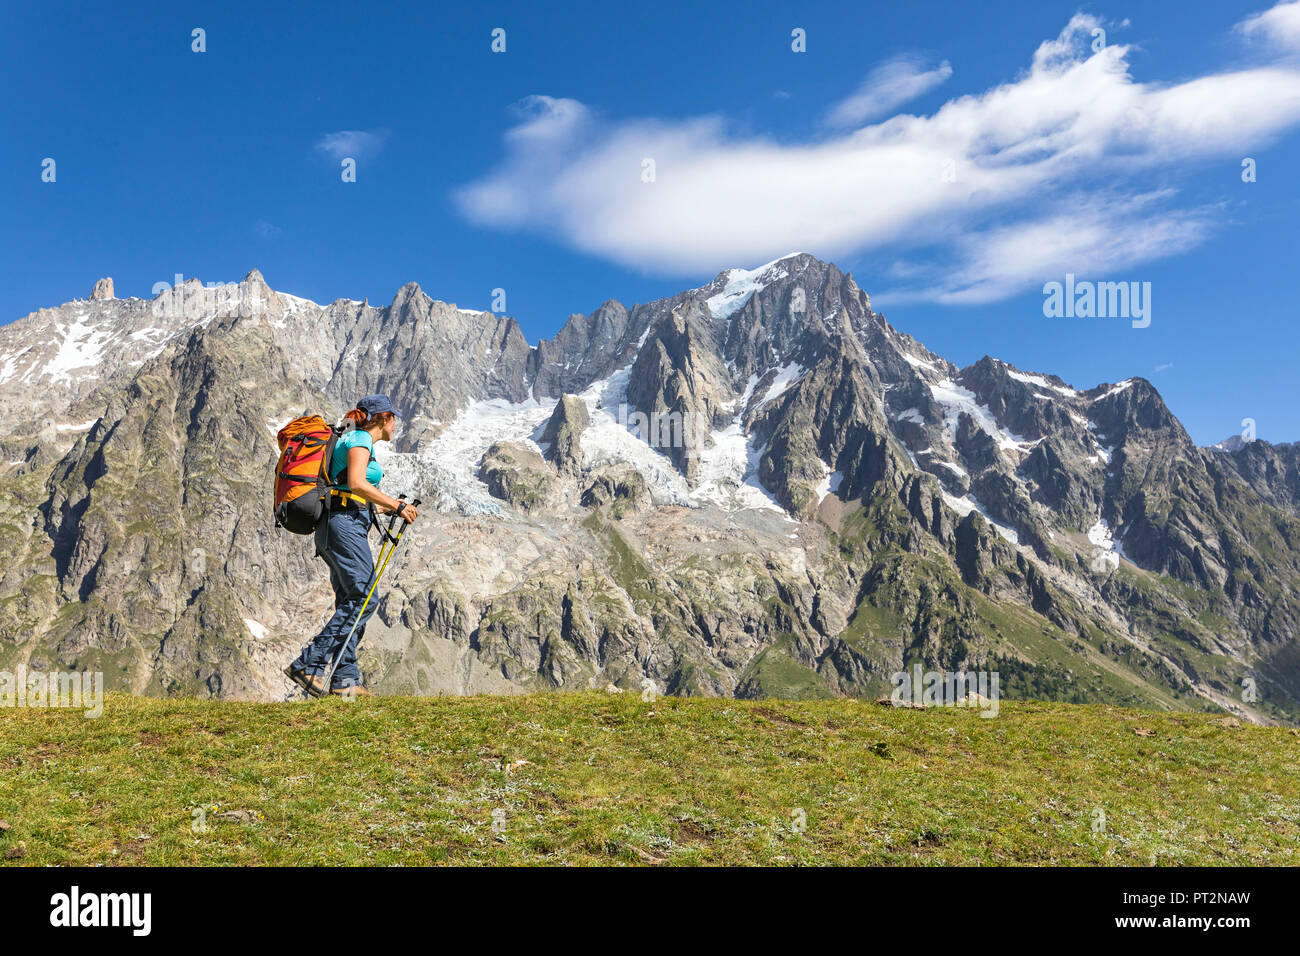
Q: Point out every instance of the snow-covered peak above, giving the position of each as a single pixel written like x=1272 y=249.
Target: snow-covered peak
x=293 y=303
x=70 y=349
x=1038 y=380
x=1115 y=389
x=739 y=284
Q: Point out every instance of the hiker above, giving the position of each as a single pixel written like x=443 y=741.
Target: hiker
x=342 y=540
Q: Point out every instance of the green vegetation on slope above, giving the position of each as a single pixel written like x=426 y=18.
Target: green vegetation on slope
x=610 y=778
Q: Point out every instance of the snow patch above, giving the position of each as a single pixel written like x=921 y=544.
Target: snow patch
x=786 y=376
x=1041 y=382
x=82 y=347
x=918 y=363
x=742 y=403
x=1100 y=535
x=968 y=503
x=1104 y=454
x=830 y=483
x=741 y=284
x=1105 y=553
x=294 y=304
x=77 y=428
x=141 y=335
x=611 y=438
x=1115 y=389
x=10 y=367
x=728 y=474
x=640 y=343
x=956 y=400
x=728 y=470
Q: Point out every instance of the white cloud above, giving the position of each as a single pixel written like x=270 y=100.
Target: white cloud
x=890 y=85
x=1279 y=26
x=1047 y=171
x=351 y=144
x=548 y=138
x=1092 y=235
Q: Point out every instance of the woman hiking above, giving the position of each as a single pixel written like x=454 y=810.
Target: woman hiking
x=342 y=540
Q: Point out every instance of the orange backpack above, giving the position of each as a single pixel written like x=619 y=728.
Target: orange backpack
x=302 y=481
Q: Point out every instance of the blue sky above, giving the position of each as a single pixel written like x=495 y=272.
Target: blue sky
x=523 y=170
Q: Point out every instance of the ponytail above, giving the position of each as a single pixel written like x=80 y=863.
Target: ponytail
x=359 y=418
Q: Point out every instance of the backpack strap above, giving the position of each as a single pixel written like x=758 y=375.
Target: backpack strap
x=336 y=481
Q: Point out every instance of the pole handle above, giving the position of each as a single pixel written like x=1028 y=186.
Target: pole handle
x=393 y=518
x=414 y=504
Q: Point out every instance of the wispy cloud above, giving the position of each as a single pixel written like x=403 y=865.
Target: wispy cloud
x=889 y=86
x=266 y=230
x=1080 y=233
x=1164 y=366
x=1279 y=26
x=351 y=143
x=1044 y=173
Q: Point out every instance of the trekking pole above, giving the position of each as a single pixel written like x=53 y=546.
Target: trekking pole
x=390 y=543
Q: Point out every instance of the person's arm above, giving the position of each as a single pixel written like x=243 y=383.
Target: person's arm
x=358 y=460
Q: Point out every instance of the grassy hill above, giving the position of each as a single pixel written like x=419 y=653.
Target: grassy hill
x=603 y=778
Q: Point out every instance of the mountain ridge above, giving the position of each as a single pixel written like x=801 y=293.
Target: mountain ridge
x=1232 y=443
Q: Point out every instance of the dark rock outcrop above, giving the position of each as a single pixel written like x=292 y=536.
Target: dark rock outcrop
x=562 y=437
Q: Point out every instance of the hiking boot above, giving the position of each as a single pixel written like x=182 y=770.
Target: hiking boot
x=356 y=690
x=311 y=683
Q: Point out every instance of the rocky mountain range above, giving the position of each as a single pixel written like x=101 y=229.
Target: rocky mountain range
x=759 y=487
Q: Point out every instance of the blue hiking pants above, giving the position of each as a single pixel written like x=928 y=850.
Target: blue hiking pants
x=342 y=541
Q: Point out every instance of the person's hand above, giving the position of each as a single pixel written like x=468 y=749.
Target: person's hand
x=409 y=513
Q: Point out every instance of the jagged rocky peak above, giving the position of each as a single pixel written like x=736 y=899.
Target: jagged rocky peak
x=731 y=287
x=679 y=380
x=786 y=312
x=103 y=289
x=255 y=278
x=561 y=440
x=587 y=348
x=1230 y=444
x=409 y=292
x=1134 y=404
x=258 y=296
x=1029 y=405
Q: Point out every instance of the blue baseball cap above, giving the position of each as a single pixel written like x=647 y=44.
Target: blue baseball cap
x=377 y=405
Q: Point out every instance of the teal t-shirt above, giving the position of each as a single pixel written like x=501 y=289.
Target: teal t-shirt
x=357 y=438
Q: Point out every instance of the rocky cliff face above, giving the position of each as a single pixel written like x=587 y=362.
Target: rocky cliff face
x=758 y=487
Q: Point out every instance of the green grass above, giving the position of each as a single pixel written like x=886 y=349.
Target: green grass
x=615 y=779
x=781 y=676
